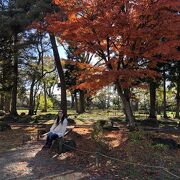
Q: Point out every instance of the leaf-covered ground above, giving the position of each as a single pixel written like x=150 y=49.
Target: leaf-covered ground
x=22 y=157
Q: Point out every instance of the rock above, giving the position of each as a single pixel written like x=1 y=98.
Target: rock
x=68 y=145
x=9 y=118
x=110 y=128
x=2 y=113
x=71 y=121
x=150 y=122
x=26 y=138
x=23 y=114
x=4 y=126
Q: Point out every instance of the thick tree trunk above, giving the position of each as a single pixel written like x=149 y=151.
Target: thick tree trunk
x=61 y=74
x=2 y=101
x=31 y=98
x=178 y=99
x=127 y=106
x=7 y=103
x=152 y=89
x=81 y=102
x=164 y=94
x=15 y=79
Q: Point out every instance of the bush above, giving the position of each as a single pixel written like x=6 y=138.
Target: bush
x=49 y=103
x=161 y=147
x=138 y=135
x=71 y=121
x=97 y=136
x=97 y=132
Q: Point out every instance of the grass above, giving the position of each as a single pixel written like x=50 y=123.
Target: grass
x=92 y=116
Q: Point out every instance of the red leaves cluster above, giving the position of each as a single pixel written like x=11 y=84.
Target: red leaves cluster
x=127 y=34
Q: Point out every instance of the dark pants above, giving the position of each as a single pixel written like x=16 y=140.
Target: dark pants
x=50 y=137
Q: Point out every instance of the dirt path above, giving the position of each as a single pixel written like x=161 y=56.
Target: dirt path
x=31 y=162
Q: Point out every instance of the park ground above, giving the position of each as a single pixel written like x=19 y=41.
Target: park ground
x=108 y=154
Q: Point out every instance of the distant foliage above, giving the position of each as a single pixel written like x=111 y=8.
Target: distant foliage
x=49 y=103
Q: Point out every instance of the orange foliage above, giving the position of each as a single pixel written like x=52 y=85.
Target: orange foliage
x=126 y=34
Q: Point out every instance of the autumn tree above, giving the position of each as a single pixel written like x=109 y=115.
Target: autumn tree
x=125 y=34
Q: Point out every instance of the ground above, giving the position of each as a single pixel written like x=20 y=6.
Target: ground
x=27 y=160
x=30 y=162
x=22 y=156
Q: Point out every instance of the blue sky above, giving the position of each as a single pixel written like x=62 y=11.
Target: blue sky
x=62 y=52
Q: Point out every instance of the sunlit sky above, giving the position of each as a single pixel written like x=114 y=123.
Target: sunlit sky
x=62 y=52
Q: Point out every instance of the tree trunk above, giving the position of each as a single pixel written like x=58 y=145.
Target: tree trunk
x=61 y=74
x=152 y=89
x=37 y=105
x=164 y=94
x=2 y=101
x=45 y=99
x=88 y=103
x=15 y=79
x=31 y=98
x=72 y=100
x=178 y=98
x=108 y=98
x=7 y=104
x=127 y=106
x=76 y=102
x=81 y=102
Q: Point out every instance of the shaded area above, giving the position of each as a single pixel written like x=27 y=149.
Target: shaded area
x=30 y=162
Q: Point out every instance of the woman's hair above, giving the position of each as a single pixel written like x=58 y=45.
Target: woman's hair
x=61 y=120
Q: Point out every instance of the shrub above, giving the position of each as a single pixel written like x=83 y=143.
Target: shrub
x=138 y=135
x=49 y=103
x=97 y=136
x=97 y=132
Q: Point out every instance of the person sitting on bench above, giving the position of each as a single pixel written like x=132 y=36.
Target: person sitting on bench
x=57 y=130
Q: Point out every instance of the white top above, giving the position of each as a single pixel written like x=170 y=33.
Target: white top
x=59 y=129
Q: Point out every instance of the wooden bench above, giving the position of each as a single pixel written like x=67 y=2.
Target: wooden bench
x=57 y=145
